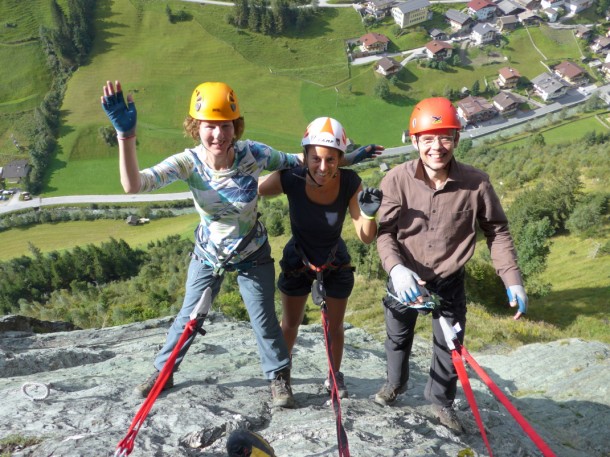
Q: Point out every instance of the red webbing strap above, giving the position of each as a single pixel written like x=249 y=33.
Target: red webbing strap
x=463 y=377
x=125 y=446
x=342 y=443
x=525 y=425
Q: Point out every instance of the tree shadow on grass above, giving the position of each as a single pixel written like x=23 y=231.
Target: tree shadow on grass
x=317 y=26
x=399 y=100
x=567 y=306
x=103 y=25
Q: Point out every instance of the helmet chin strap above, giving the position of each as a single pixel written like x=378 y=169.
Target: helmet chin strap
x=312 y=178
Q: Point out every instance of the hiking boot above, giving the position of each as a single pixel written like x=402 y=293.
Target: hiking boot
x=281 y=392
x=144 y=389
x=447 y=416
x=387 y=394
x=341 y=389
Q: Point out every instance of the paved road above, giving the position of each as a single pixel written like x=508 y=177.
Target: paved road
x=14 y=204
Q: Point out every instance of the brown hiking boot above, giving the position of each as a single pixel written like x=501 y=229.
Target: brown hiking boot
x=447 y=416
x=144 y=389
x=281 y=392
x=341 y=389
x=387 y=394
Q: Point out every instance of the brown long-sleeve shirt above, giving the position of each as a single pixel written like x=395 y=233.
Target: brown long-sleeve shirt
x=433 y=232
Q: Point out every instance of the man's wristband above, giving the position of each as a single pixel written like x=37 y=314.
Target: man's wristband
x=125 y=137
x=366 y=216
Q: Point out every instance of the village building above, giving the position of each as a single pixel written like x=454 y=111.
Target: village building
x=571 y=73
x=379 y=8
x=483 y=33
x=387 y=66
x=16 y=171
x=507 y=23
x=576 y=6
x=552 y=14
x=439 y=50
x=481 y=10
x=458 y=20
x=529 y=18
x=411 y=12
x=555 y=4
x=605 y=69
x=437 y=34
x=508 y=78
x=549 y=87
x=508 y=7
x=601 y=45
x=374 y=43
x=583 y=32
x=528 y=5
x=475 y=109
x=506 y=103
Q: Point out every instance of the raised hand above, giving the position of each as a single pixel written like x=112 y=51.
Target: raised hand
x=122 y=115
x=369 y=201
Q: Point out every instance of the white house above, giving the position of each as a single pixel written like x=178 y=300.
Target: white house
x=483 y=33
x=549 y=87
x=481 y=9
x=576 y=6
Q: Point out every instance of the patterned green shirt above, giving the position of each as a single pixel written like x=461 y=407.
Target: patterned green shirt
x=225 y=200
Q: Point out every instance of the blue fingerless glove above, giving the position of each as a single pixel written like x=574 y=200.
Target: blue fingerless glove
x=369 y=201
x=362 y=153
x=122 y=115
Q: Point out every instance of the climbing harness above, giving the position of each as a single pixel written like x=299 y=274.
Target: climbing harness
x=32 y=391
x=223 y=266
x=430 y=303
x=197 y=317
x=458 y=355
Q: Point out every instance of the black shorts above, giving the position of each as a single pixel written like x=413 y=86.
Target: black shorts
x=338 y=283
x=295 y=280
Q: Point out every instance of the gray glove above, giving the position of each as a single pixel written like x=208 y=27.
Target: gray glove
x=406 y=284
x=369 y=201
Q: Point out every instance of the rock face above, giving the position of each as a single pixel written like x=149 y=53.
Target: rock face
x=561 y=388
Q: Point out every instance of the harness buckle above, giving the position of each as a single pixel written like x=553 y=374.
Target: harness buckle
x=218 y=271
x=318 y=291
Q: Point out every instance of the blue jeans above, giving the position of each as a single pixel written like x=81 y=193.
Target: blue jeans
x=257 y=288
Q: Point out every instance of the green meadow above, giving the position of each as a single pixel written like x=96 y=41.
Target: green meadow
x=282 y=83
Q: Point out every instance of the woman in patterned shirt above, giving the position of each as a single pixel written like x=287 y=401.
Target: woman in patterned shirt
x=222 y=174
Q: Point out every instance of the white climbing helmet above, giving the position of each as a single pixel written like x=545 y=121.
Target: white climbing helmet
x=325 y=131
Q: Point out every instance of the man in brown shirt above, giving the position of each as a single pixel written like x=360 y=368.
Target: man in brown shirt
x=427 y=232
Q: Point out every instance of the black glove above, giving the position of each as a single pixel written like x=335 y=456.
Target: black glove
x=369 y=201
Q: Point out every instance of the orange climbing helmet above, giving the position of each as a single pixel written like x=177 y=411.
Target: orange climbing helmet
x=214 y=101
x=434 y=113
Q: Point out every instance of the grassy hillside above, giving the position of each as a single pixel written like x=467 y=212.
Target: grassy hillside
x=25 y=78
x=281 y=83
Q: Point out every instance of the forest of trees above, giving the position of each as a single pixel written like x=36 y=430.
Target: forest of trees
x=270 y=18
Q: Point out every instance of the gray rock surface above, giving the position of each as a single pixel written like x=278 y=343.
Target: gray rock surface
x=561 y=388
